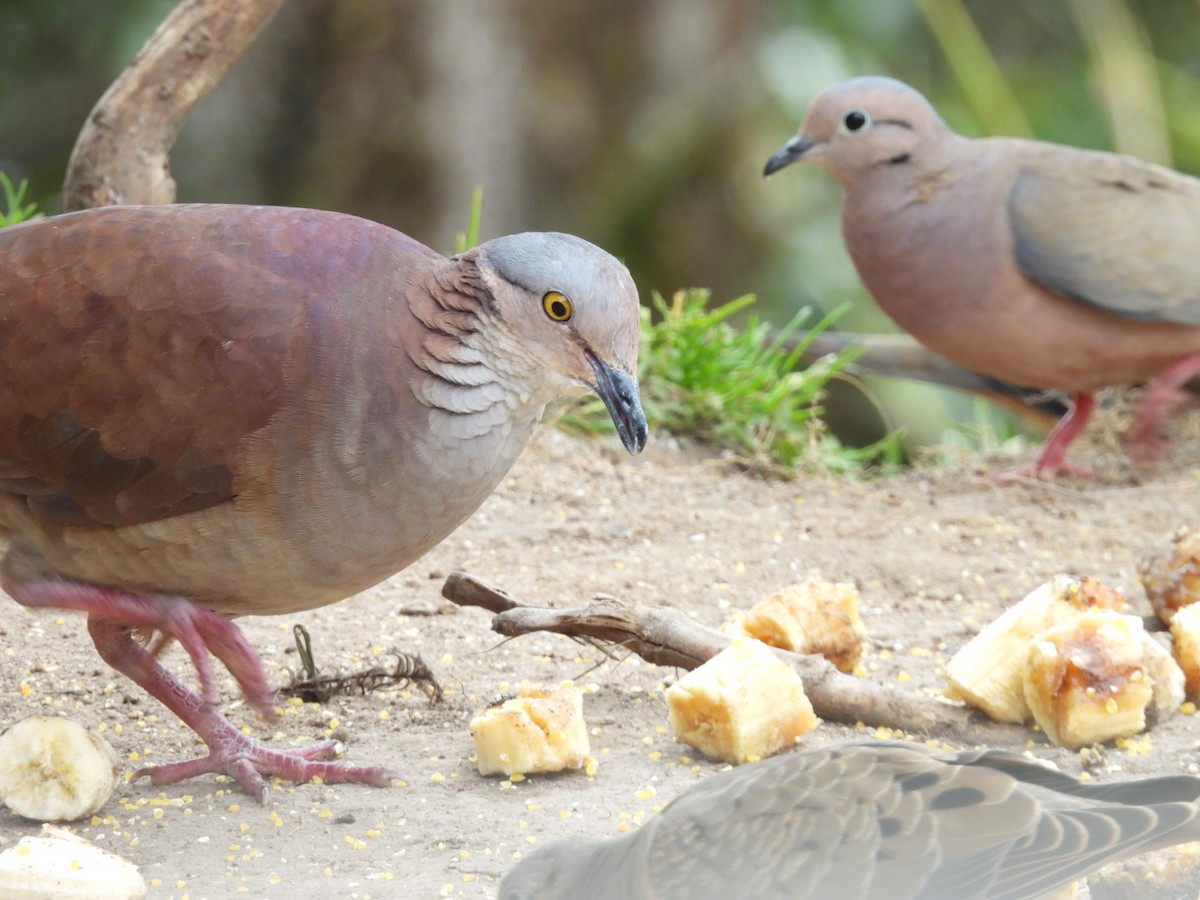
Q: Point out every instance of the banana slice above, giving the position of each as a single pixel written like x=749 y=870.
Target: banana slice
x=55 y=770
x=818 y=616
x=742 y=704
x=988 y=671
x=1085 y=683
x=539 y=731
x=58 y=865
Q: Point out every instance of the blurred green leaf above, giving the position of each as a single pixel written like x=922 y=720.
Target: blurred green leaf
x=1126 y=76
x=464 y=241
x=15 y=208
x=975 y=67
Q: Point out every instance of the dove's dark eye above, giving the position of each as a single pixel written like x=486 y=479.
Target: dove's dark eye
x=856 y=120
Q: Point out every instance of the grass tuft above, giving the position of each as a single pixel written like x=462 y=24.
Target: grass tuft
x=15 y=209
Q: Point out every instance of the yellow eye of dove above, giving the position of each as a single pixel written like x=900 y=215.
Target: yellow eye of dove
x=557 y=306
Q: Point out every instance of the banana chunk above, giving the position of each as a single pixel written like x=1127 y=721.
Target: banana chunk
x=1185 y=635
x=55 y=770
x=539 y=731
x=1085 y=682
x=988 y=671
x=744 y=703
x=817 y=616
x=1166 y=677
x=1170 y=575
x=58 y=865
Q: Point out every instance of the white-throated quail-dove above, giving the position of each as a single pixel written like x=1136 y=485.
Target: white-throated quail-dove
x=211 y=411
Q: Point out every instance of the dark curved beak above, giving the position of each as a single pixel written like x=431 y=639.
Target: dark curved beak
x=619 y=391
x=792 y=151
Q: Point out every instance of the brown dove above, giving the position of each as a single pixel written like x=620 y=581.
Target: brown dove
x=880 y=820
x=1034 y=263
x=211 y=411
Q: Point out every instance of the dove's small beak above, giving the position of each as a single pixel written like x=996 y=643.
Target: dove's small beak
x=619 y=391
x=792 y=151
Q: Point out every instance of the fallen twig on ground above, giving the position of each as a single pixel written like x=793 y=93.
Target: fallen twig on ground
x=667 y=637
x=313 y=687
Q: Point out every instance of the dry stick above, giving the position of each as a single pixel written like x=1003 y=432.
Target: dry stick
x=667 y=637
x=121 y=155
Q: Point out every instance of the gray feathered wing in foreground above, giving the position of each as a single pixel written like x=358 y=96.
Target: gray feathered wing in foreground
x=872 y=820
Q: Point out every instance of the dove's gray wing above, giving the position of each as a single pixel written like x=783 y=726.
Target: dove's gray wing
x=1109 y=230
x=875 y=820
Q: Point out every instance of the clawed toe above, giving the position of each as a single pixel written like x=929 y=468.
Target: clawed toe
x=247 y=761
x=1039 y=471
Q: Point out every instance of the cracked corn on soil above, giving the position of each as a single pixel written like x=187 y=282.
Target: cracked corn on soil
x=935 y=554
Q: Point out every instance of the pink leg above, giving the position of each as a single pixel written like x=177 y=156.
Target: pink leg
x=1053 y=458
x=229 y=751
x=200 y=631
x=1144 y=439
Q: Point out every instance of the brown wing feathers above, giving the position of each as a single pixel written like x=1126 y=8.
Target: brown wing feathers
x=128 y=380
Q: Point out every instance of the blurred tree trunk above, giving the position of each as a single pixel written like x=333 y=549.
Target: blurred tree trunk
x=621 y=121
x=475 y=113
x=122 y=154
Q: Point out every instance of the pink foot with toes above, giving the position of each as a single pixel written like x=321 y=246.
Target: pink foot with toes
x=1144 y=440
x=1052 y=461
x=230 y=752
x=112 y=613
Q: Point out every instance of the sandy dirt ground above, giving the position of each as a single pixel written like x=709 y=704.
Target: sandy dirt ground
x=935 y=553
